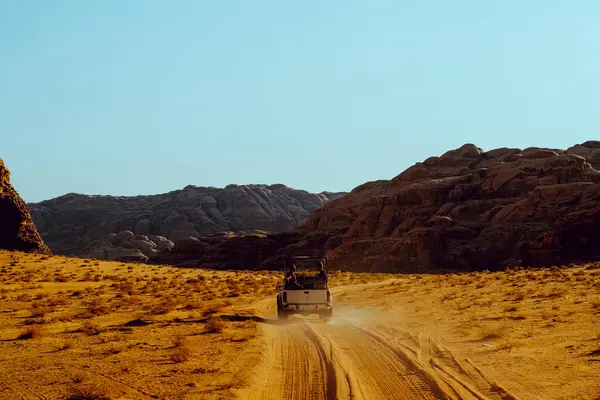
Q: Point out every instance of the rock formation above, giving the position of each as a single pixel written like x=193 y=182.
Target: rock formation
x=465 y=210
x=17 y=231
x=126 y=246
x=102 y=226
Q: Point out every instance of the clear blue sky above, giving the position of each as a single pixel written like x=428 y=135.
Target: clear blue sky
x=130 y=97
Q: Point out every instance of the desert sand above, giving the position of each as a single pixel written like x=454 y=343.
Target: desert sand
x=84 y=329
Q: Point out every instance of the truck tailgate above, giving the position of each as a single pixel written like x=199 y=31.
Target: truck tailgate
x=306 y=296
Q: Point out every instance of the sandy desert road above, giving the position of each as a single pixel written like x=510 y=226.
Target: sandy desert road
x=358 y=356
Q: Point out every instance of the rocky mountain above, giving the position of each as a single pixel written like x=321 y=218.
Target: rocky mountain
x=111 y=227
x=17 y=231
x=467 y=209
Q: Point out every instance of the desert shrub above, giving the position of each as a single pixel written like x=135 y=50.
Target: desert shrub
x=448 y=296
x=196 y=280
x=180 y=354
x=192 y=305
x=60 y=277
x=519 y=296
x=214 y=325
x=556 y=292
x=24 y=297
x=112 y=349
x=164 y=306
x=31 y=332
x=127 y=287
x=90 y=328
x=38 y=309
x=88 y=391
x=96 y=307
x=179 y=341
x=58 y=301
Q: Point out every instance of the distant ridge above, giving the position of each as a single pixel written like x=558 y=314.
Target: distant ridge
x=72 y=222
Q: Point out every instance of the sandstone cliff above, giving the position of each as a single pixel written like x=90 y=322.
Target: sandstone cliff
x=17 y=231
x=110 y=227
x=467 y=209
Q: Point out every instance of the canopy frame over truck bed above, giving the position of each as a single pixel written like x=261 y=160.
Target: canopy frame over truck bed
x=301 y=263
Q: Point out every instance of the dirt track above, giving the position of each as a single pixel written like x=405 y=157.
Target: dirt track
x=359 y=355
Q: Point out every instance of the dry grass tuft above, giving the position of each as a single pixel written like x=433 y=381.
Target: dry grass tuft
x=164 y=307
x=90 y=328
x=213 y=325
x=88 y=391
x=180 y=354
x=179 y=341
x=31 y=332
x=96 y=307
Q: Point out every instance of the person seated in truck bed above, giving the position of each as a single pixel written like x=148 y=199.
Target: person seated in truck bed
x=290 y=279
x=322 y=274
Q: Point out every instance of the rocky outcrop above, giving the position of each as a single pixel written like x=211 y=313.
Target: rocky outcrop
x=590 y=150
x=82 y=225
x=126 y=246
x=575 y=237
x=468 y=209
x=17 y=231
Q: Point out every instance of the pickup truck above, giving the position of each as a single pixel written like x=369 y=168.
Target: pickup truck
x=311 y=296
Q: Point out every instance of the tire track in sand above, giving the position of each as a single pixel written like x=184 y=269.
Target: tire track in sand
x=342 y=359
x=295 y=365
x=313 y=360
x=374 y=369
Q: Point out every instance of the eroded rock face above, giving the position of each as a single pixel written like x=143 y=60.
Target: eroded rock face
x=82 y=225
x=590 y=150
x=466 y=210
x=126 y=246
x=495 y=203
x=575 y=237
x=17 y=231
